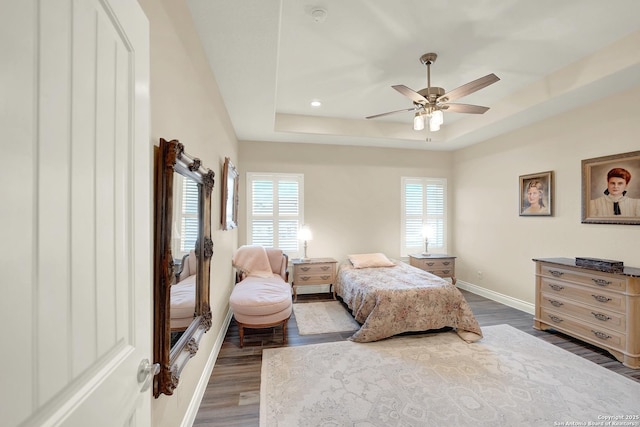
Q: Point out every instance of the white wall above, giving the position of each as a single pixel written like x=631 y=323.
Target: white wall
x=352 y=194
x=490 y=236
x=186 y=105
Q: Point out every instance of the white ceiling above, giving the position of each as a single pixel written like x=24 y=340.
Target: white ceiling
x=271 y=59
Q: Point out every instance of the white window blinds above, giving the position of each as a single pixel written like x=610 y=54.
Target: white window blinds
x=424 y=207
x=184 y=231
x=275 y=210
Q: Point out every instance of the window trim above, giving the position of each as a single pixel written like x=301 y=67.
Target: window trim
x=275 y=177
x=406 y=250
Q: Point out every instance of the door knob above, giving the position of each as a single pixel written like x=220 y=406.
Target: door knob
x=146 y=372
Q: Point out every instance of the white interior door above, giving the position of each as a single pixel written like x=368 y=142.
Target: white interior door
x=75 y=212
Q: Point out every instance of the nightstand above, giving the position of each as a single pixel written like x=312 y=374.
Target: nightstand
x=439 y=264
x=314 y=271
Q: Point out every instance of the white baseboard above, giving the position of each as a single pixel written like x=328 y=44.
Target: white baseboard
x=196 y=400
x=496 y=296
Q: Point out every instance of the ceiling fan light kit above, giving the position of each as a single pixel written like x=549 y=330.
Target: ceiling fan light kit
x=432 y=101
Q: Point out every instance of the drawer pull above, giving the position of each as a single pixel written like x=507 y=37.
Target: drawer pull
x=556 y=287
x=601 y=335
x=445 y=271
x=601 y=282
x=555 y=303
x=305 y=277
x=601 y=298
x=430 y=263
x=305 y=268
x=601 y=316
x=446 y=263
x=555 y=318
x=324 y=267
x=556 y=273
x=324 y=277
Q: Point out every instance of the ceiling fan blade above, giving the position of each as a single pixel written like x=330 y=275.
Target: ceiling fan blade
x=390 y=112
x=412 y=94
x=465 y=108
x=469 y=88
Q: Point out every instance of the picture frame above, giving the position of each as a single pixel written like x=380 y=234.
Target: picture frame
x=229 y=216
x=620 y=205
x=536 y=194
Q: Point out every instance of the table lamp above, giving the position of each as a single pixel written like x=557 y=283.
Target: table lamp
x=427 y=231
x=305 y=235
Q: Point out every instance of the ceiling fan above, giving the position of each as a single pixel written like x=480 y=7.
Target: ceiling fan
x=430 y=102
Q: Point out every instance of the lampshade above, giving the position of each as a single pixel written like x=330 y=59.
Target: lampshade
x=437 y=118
x=418 y=121
x=305 y=233
x=427 y=231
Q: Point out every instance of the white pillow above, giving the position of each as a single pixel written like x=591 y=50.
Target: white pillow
x=370 y=260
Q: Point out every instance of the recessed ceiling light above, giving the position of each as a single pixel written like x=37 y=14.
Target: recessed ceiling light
x=316 y=103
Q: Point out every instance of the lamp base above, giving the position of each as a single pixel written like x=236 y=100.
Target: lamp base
x=426 y=254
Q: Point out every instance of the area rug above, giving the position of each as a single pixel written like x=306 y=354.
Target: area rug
x=323 y=317
x=509 y=378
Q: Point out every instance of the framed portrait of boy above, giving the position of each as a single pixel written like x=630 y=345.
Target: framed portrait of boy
x=536 y=194
x=611 y=189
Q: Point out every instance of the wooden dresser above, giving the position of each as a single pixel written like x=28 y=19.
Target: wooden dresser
x=594 y=306
x=314 y=271
x=438 y=264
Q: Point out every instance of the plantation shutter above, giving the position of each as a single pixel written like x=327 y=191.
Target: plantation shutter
x=423 y=205
x=275 y=210
x=189 y=210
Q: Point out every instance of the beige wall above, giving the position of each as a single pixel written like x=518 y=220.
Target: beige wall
x=490 y=236
x=186 y=105
x=352 y=194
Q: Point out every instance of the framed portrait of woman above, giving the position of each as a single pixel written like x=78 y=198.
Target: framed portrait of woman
x=536 y=194
x=611 y=189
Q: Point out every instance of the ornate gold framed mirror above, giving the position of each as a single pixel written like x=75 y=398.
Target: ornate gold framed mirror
x=182 y=255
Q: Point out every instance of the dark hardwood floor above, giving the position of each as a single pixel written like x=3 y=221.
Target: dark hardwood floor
x=232 y=397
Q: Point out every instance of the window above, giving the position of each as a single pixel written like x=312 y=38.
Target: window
x=424 y=207
x=275 y=210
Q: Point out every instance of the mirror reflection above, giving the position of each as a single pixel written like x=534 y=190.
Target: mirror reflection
x=182 y=258
x=184 y=234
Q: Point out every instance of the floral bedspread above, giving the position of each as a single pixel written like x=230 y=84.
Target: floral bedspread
x=390 y=300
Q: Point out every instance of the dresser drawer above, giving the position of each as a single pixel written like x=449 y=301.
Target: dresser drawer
x=595 y=279
x=591 y=296
x=587 y=331
x=596 y=317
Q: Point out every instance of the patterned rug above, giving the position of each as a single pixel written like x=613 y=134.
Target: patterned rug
x=509 y=378
x=323 y=317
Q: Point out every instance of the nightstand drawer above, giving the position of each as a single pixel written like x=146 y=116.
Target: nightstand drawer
x=438 y=264
x=315 y=269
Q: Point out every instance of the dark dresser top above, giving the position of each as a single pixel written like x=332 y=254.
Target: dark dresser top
x=571 y=262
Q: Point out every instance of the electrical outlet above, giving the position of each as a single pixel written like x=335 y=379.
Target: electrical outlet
x=480 y=275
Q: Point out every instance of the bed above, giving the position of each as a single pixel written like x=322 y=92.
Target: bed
x=401 y=298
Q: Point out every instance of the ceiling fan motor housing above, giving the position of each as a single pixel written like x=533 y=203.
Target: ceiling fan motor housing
x=432 y=93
